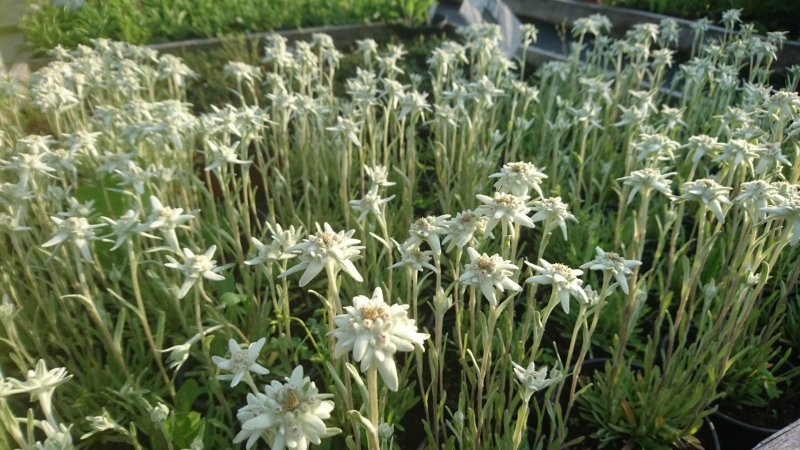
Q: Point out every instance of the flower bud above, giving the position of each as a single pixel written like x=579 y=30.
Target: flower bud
x=385 y=431
x=7 y=310
x=159 y=413
x=710 y=290
x=458 y=419
x=441 y=302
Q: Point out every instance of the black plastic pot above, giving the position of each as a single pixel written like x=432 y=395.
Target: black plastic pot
x=737 y=435
x=707 y=434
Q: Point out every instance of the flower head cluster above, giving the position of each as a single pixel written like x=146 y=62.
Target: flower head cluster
x=594 y=24
x=655 y=147
x=75 y=229
x=647 y=180
x=428 y=229
x=789 y=210
x=278 y=249
x=564 y=280
x=756 y=195
x=195 y=267
x=40 y=384
x=167 y=219
x=739 y=152
x=414 y=258
x=462 y=228
x=614 y=264
x=709 y=193
x=241 y=362
x=371 y=203
x=329 y=250
x=489 y=273
x=126 y=226
x=222 y=154
x=374 y=331
x=533 y=380
x=519 y=178
x=506 y=208
x=379 y=175
x=553 y=212
x=287 y=415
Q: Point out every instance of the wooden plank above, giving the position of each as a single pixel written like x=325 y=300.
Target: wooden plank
x=10 y=12
x=786 y=439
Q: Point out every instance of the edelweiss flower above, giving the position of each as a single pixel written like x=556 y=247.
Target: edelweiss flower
x=195 y=267
x=370 y=204
x=126 y=227
x=428 y=229
x=489 y=273
x=242 y=362
x=615 y=264
x=167 y=220
x=656 y=146
x=533 y=380
x=103 y=422
x=755 y=196
x=519 y=178
x=58 y=437
x=242 y=71
x=646 y=180
x=414 y=258
x=552 y=211
x=76 y=229
x=739 y=152
x=511 y=209
x=347 y=129
x=379 y=175
x=328 y=250
x=565 y=281
x=708 y=192
x=375 y=331
x=41 y=383
x=287 y=415
x=278 y=249
x=790 y=212
x=222 y=154
x=771 y=157
x=461 y=229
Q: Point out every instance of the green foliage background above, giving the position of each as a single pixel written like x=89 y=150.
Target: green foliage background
x=152 y=21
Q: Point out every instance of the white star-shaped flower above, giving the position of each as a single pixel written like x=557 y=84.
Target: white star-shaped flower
x=564 y=280
x=374 y=332
x=241 y=362
x=489 y=273
x=616 y=265
x=196 y=267
x=326 y=249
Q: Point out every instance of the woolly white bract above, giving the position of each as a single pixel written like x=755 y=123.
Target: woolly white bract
x=326 y=250
x=374 y=331
x=288 y=415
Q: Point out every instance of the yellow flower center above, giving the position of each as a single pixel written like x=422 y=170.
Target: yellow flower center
x=484 y=263
x=373 y=312
x=291 y=402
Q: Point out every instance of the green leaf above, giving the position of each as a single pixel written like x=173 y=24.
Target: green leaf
x=183 y=428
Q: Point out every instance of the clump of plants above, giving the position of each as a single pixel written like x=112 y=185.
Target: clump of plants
x=71 y=23
x=422 y=260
